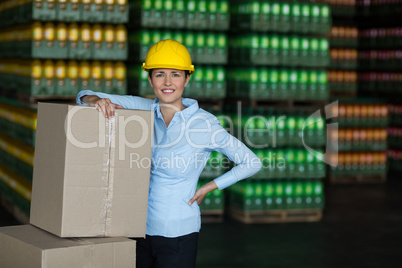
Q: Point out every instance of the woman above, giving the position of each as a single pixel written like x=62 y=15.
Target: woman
x=184 y=136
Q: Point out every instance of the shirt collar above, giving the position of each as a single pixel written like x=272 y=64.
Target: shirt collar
x=191 y=107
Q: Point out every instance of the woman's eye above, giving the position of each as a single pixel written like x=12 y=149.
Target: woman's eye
x=159 y=75
x=176 y=75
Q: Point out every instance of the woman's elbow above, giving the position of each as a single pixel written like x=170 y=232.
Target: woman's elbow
x=256 y=164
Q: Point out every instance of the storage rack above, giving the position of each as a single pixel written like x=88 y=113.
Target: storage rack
x=278 y=57
x=49 y=51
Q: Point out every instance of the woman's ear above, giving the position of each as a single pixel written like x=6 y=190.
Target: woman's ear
x=150 y=81
x=187 y=80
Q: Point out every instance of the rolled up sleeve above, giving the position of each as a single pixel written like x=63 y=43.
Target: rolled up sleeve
x=126 y=101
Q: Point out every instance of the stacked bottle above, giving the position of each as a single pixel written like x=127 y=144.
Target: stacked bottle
x=280 y=138
x=360 y=143
x=51 y=49
x=274 y=47
x=279 y=51
x=344 y=60
x=277 y=195
x=395 y=137
x=52 y=38
x=380 y=62
x=17 y=140
x=160 y=20
x=93 y=11
x=342 y=8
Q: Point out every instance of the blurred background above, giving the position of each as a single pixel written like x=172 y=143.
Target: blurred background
x=312 y=87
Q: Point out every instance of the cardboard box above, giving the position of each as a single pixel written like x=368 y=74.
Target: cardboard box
x=27 y=246
x=91 y=174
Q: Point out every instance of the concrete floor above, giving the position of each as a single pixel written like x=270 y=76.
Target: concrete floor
x=362 y=227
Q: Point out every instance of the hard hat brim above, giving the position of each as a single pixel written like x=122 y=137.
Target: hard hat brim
x=167 y=66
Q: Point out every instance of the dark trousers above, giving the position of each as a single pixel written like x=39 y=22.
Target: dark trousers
x=159 y=251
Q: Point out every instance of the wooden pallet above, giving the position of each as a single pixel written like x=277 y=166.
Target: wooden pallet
x=212 y=216
x=276 y=216
x=357 y=178
x=15 y=211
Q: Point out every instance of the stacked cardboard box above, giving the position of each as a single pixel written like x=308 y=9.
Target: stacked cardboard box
x=84 y=185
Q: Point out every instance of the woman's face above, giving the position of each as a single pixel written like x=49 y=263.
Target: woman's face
x=168 y=84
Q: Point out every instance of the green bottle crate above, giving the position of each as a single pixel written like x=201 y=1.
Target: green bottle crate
x=201 y=15
x=268 y=196
x=258 y=200
x=191 y=19
x=283 y=85
x=294 y=53
x=142 y=11
x=279 y=202
x=93 y=12
x=68 y=11
x=318 y=195
x=116 y=13
x=292 y=87
x=323 y=53
x=279 y=165
x=284 y=18
x=43 y=11
x=119 y=85
x=289 y=201
x=79 y=42
x=284 y=51
x=302 y=87
x=274 y=50
x=275 y=16
x=296 y=17
x=157 y=14
x=61 y=87
x=95 y=79
x=262 y=90
x=265 y=17
x=308 y=194
x=305 y=23
x=178 y=20
x=209 y=82
x=71 y=80
x=325 y=20
x=222 y=17
x=189 y=42
x=273 y=86
x=167 y=13
x=200 y=49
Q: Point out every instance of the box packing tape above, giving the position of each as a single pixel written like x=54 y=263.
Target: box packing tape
x=108 y=174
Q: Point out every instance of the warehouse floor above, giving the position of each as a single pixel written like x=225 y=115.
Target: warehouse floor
x=362 y=227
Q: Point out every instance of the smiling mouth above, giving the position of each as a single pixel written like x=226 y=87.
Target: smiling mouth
x=167 y=90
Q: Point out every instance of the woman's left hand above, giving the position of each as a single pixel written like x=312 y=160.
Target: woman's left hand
x=202 y=192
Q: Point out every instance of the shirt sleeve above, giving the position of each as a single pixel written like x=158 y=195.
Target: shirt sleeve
x=126 y=101
x=247 y=163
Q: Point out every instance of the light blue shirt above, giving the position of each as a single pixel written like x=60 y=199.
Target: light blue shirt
x=179 y=154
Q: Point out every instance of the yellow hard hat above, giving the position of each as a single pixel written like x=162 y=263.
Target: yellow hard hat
x=168 y=54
